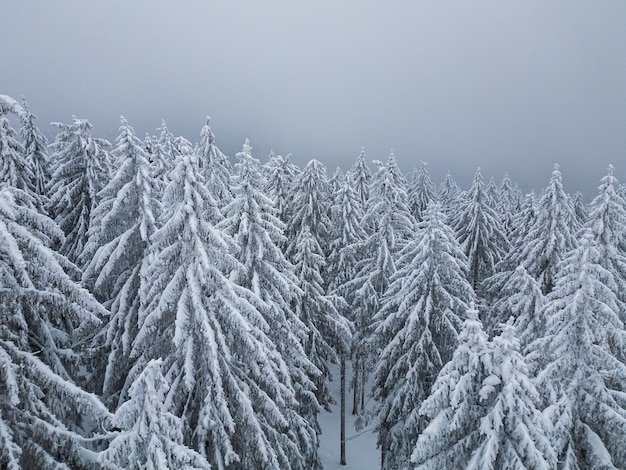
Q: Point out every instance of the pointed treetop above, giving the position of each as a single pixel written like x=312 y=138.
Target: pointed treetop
x=610 y=170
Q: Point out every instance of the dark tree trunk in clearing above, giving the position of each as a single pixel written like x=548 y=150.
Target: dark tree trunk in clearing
x=355 y=387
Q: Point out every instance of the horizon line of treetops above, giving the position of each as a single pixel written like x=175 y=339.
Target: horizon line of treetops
x=165 y=306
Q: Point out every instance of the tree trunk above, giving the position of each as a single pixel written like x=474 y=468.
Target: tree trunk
x=355 y=387
x=343 y=410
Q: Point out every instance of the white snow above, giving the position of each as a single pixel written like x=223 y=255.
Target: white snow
x=361 y=451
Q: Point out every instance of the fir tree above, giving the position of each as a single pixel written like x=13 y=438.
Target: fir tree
x=448 y=195
x=389 y=225
x=361 y=177
x=150 y=437
x=281 y=177
x=480 y=233
x=516 y=295
x=36 y=154
x=507 y=206
x=116 y=254
x=580 y=209
x=346 y=248
x=310 y=199
x=214 y=166
x=421 y=192
x=162 y=158
x=329 y=333
x=251 y=220
x=44 y=417
x=80 y=173
x=607 y=222
x=551 y=236
x=488 y=417
x=228 y=381
x=15 y=170
x=581 y=363
x=417 y=331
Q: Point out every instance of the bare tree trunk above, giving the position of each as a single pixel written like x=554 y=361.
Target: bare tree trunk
x=355 y=387
x=343 y=410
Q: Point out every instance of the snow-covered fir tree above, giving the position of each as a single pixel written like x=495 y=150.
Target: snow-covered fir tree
x=607 y=222
x=46 y=420
x=389 y=225
x=361 y=178
x=581 y=364
x=580 y=208
x=215 y=167
x=329 y=333
x=421 y=192
x=310 y=200
x=162 y=157
x=417 y=329
x=149 y=437
x=80 y=172
x=448 y=195
x=36 y=153
x=14 y=168
x=250 y=218
x=508 y=205
x=516 y=295
x=550 y=237
x=480 y=233
x=346 y=251
x=228 y=381
x=116 y=254
x=484 y=411
x=281 y=177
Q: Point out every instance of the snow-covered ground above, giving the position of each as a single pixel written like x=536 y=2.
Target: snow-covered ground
x=361 y=451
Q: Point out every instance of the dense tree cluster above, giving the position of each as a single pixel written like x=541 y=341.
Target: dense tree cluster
x=165 y=306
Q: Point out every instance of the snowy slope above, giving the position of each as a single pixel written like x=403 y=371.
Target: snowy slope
x=361 y=451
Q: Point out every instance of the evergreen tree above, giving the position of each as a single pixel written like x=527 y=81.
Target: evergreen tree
x=507 y=207
x=417 y=331
x=45 y=419
x=480 y=233
x=149 y=437
x=281 y=177
x=80 y=173
x=162 y=158
x=251 y=220
x=116 y=254
x=329 y=333
x=516 y=295
x=483 y=410
x=361 y=177
x=35 y=148
x=448 y=195
x=522 y=223
x=346 y=250
x=228 y=381
x=551 y=236
x=580 y=209
x=389 y=225
x=607 y=222
x=14 y=170
x=310 y=199
x=214 y=166
x=581 y=363
x=421 y=192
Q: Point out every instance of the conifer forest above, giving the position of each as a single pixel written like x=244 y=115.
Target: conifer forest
x=165 y=305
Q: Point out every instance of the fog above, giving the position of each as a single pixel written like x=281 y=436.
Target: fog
x=508 y=86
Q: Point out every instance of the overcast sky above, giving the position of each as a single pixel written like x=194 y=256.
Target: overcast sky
x=508 y=86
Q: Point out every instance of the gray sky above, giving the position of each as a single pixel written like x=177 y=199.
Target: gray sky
x=508 y=86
